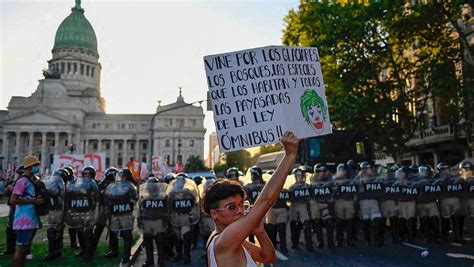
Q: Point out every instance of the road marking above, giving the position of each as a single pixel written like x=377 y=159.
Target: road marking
x=280 y=256
x=461 y=256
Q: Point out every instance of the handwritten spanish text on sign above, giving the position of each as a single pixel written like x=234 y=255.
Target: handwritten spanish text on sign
x=258 y=94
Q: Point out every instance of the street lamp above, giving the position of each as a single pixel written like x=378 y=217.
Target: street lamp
x=177 y=159
x=152 y=128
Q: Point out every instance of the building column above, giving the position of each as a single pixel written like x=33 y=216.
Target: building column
x=43 y=149
x=56 y=143
x=69 y=139
x=435 y=159
x=86 y=146
x=112 y=153
x=30 y=142
x=137 y=150
x=99 y=146
x=79 y=143
x=5 y=149
x=125 y=156
x=17 y=145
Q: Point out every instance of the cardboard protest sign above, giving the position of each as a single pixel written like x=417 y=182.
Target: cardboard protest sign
x=258 y=94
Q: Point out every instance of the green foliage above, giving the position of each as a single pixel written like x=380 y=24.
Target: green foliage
x=240 y=159
x=270 y=148
x=193 y=164
x=371 y=54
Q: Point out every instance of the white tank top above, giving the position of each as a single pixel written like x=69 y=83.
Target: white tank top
x=212 y=257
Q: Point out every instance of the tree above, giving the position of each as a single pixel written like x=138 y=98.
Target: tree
x=239 y=159
x=194 y=163
x=382 y=63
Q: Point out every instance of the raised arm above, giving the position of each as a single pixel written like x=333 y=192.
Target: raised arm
x=233 y=235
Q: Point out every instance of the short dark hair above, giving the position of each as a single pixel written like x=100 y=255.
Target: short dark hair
x=219 y=190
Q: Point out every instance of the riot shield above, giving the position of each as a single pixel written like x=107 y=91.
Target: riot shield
x=203 y=186
x=322 y=191
x=56 y=190
x=82 y=196
x=300 y=193
x=253 y=190
x=153 y=207
x=183 y=202
x=120 y=198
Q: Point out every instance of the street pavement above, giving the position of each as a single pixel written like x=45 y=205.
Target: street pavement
x=361 y=255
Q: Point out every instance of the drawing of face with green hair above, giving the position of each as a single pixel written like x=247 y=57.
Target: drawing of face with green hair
x=314 y=110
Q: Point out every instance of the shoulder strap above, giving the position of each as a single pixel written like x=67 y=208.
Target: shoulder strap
x=208 y=243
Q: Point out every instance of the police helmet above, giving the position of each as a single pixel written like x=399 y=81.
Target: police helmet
x=297 y=171
x=352 y=164
x=20 y=170
x=442 y=166
x=124 y=173
x=169 y=177
x=182 y=175
x=198 y=179
x=234 y=171
x=413 y=168
x=394 y=167
x=342 y=167
x=62 y=173
x=70 y=170
x=256 y=171
x=320 y=167
x=465 y=165
x=89 y=171
x=365 y=165
x=152 y=179
x=110 y=174
x=424 y=171
x=401 y=172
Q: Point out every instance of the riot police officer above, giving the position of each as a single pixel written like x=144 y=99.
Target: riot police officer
x=195 y=228
x=345 y=191
x=233 y=173
x=82 y=196
x=206 y=223
x=71 y=231
x=104 y=214
x=426 y=205
x=56 y=190
x=370 y=191
x=169 y=177
x=277 y=218
x=322 y=204
x=153 y=218
x=254 y=189
x=120 y=198
x=300 y=194
x=407 y=203
x=389 y=203
x=453 y=188
x=184 y=212
x=353 y=168
x=465 y=169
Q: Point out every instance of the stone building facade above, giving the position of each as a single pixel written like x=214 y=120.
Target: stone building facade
x=66 y=113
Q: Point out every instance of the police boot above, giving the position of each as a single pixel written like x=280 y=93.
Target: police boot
x=366 y=229
x=402 y=229
x=98 y=229
x=318 y=228
x=187 y=247
x=434 y=227
x=445 y=226
x=411 y=229
x=179 y=249
x=80 y=238
x=87 y=241
x=127 y=245
x=272 y=232
x=425 y=228
x=282 y=236
x=59 y=241
x=458 y=231
x=355 y=226
x=394 y=227
x=160 y=247
x=195 y=235
x=348 y=225
x=51 y=234
x=113 y=246
x=379 y=224
x=169 y=246
x=307 y=236
x=295 y=228
x=340 y=233
x=330 y=223
x=72 y=237
x=11 y=239
x=150 y=258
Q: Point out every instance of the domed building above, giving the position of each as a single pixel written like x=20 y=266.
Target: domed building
x=66 y=112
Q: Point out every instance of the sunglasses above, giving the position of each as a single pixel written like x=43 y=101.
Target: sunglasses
x=233 y=207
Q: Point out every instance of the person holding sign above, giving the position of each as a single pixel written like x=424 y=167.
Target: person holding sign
x=224 y=201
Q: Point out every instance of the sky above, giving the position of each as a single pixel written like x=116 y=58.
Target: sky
x=147 y=48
